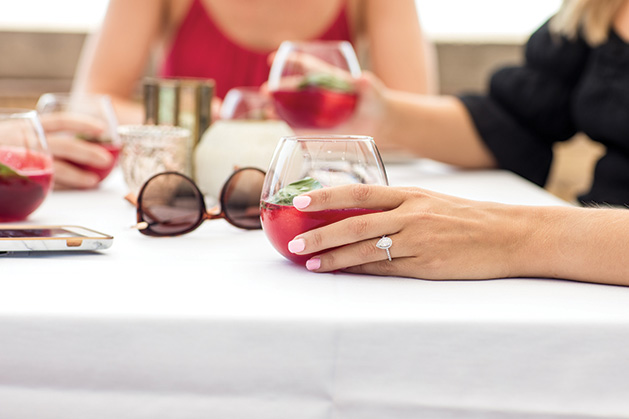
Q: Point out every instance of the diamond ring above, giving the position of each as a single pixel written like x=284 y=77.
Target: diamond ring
x=385 y=243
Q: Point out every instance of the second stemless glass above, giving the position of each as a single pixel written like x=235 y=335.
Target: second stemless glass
x=304 y=163
x=25 y=164
x=94 y=106
x=311 y=83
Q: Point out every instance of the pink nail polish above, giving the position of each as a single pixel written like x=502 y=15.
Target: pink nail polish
x=301 y=202
x=296 y=246
x=313 y=264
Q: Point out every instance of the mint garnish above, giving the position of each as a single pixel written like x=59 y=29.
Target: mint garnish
x=285 y=195
x=7 y=172
x=325 y=81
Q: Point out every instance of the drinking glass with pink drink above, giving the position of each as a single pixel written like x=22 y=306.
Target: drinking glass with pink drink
x=25 y=164
x=304 y=163
x=95 y=106
x=311 y=83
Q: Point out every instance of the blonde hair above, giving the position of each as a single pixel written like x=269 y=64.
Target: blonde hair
x=590 y=18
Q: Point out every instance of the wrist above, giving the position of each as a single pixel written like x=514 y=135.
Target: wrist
x=530 y=233
x=546 y=236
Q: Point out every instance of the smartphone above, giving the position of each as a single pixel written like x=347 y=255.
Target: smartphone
x=37 y=238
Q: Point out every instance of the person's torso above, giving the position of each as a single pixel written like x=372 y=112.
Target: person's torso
x=205 y=45
x=601 y=96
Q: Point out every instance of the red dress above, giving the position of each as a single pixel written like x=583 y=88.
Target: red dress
x=201 y=50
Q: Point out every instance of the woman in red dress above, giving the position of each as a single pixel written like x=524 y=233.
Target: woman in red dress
x=230 y=42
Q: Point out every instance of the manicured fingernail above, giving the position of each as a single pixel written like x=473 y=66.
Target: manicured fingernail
x=313 y=264
x=301 y=201
x=296 y=246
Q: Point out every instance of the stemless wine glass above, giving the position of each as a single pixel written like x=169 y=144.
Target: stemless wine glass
x=25 y=164
x=304 y=163
x=311 y=83
x=247 y=103
x=245 y=135
x=94 y=106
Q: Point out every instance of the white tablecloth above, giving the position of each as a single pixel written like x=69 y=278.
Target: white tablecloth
x=216 y=324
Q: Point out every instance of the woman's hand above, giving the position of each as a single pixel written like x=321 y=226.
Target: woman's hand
x=434 y=236
x=61 y=133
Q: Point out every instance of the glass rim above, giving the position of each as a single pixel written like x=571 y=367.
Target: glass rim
x=316 y=42
x=142 y=129
x=65 y=98
x=6 y=113
x=74 y=94
x=328 y=137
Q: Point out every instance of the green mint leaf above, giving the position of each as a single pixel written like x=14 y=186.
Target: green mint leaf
x=325 y=81
x=285 y=195
x=6 y=172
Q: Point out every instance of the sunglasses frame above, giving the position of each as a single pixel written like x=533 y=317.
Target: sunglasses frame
x=204 y=215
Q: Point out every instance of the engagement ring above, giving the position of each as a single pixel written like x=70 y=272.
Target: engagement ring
x=385 y=243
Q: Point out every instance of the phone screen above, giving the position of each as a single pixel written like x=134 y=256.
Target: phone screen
x=37 y=232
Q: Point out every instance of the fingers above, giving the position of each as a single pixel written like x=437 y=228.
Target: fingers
x=351 y=196
x=77 y=123
x=75 y=150
x=397 y=267
x=353 y=239
x=352 y=242
x=68 y=176
x=350 y=230
x=358 y=254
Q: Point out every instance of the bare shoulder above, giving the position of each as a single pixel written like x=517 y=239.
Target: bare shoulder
x=621 y=21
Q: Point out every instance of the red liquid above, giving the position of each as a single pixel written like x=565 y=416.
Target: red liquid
x=282 y=223
x=21 y=195
x=103 y=172
x=313 y=107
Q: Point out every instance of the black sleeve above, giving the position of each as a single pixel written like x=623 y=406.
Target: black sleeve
x=527 y=108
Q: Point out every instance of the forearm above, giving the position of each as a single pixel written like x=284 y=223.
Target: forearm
x=128 y=111
x=396 y=36
x=436 y=127
x=576 y=243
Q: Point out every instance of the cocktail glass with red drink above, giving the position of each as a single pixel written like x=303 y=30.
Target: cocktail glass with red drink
x=25 y=164
x=312 y=83
x=99 y=109
x=303 y=163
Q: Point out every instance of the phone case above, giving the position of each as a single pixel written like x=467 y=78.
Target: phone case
x=37 y=238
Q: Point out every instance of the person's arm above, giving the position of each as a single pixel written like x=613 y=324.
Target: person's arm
x=437 y=236
x=115 y=58
x=435 y=127
x=430 y=126
x=584 y=244
x=400 y=53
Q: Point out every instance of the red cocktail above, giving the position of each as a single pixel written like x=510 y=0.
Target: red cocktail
x=25 y=180
x=314 y=107
x=313 y=83
x=282 y=223
x=97 y=112
x=102 y=172
x=302 y=164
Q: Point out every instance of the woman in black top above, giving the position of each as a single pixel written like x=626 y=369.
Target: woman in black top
x=575 y=79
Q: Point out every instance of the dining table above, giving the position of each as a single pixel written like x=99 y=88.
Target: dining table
x=217 y=324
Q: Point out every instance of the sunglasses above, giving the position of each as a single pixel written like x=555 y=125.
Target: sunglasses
x=171 y=204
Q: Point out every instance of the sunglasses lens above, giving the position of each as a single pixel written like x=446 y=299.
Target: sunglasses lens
x=170 y=204
x=240 y=198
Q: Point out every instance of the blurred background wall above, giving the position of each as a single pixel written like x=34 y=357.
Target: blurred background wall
x=40 y=44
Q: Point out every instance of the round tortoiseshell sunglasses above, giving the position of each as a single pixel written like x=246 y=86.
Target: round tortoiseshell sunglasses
x=171 y=204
